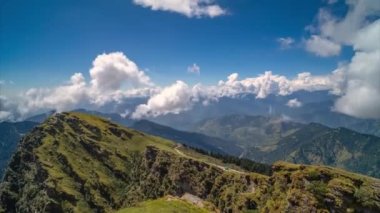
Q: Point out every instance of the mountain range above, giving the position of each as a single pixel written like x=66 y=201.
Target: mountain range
x=315 y=107
x=75 y=162
x=271 y=139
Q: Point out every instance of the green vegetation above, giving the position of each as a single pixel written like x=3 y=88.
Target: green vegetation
x=75 y=162
x=191 y=139
x=268 y=140
x=248 y=131
x=167 y=205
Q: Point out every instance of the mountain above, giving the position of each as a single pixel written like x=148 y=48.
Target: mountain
x=268 y=140
x=39 y=118
x=75 y=162
x=114 y=117
x=248 y=131
x=10 y=134
x=316 y=107
x=338 y=147
x=196 y=140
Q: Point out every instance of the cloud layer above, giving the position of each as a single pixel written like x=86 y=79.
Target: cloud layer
x=189 y=8
x=172 y=99
x=359 y=28
x=115 y=79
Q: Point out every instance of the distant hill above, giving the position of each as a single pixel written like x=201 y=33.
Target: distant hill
x=339 y=147
x=196 y=140
x=270 y=139
x=248 y=131
x=10 y=134
x=316 y=108
x=74 y=162
x=39 y=118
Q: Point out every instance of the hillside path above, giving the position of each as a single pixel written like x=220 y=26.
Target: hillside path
x=212 y=164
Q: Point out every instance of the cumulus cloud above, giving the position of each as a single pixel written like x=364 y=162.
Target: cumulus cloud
x=359 y=28
x=189 y=8
x=172 y=99
x=294 y=103
x=113 y=79
x=269 y=83
x=285 y=42
x=322 y=47
x=194 y=69
x=114 y=76
x=111 y=71
x=362 y=96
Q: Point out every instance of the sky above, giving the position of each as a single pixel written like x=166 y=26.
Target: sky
x=48 y=45
x=43 y=42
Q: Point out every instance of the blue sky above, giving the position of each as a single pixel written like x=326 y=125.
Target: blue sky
x=42 y=43
x=64 y=55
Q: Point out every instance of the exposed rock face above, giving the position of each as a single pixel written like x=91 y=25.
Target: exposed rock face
x=79 y=163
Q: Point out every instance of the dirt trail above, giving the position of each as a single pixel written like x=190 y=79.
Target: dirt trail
x=212 y=164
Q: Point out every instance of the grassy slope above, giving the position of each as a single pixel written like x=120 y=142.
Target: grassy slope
x=196 y=140
x=318 y=144
x=77 y=162
x=166 y=205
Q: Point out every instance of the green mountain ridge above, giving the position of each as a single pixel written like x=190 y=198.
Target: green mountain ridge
x=270 y=139
x=197 y=140
x=75 y=162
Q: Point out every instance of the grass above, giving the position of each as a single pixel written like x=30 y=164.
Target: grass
x=164 y=205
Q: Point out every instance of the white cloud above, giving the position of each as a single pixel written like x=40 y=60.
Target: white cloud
x=114 y=76
x=285 y=42
x=114 y=79
x=322 y=47
x=180 y=97
x=362 y=96
x=172 y=99
x=268 y=83
x=189 y=8
x=194 y=69
x=294 y=103
x=359 y=28
x=5 y=115
x=111 y=71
